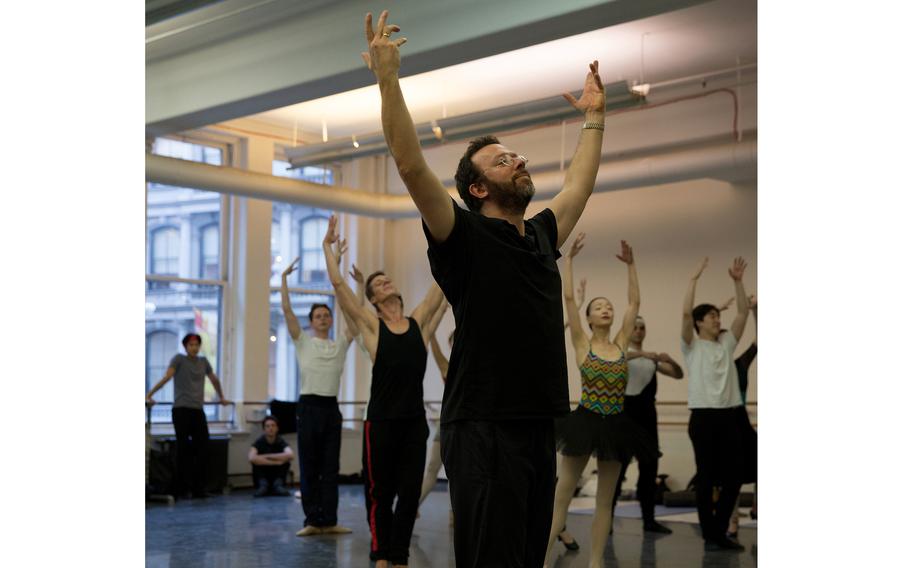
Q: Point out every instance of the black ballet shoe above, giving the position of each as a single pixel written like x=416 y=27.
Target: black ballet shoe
x=571 y=546
x=654 y=526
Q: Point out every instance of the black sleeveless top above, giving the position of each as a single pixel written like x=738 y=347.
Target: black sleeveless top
x=397 y=389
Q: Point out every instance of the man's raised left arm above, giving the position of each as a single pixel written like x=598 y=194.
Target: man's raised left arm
x=569 y=203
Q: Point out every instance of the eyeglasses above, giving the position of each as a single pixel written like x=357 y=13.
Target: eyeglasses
x=507 y=161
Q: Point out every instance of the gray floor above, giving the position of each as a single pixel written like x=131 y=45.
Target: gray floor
x=237 y=531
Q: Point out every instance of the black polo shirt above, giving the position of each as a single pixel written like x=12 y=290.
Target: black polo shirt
x=509 y=356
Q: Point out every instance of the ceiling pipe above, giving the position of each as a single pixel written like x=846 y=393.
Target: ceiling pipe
x=716 y=158
x=700 y=77
x=233 y=181
x=548 y=110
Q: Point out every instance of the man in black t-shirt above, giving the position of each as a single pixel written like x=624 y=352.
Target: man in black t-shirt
x=507 y=377
x=271 y=458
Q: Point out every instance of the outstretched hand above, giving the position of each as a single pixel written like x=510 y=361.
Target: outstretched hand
x=331 y=232
x=382 y=56
x=341 y=247
x=291 y=268
x=726 y=304
x=592 y=95
x=739 y=267
x=700 y=269
x=577 y=245
x=356 y=274
x=626 y=255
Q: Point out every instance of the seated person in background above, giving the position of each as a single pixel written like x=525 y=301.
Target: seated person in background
x=271 y=458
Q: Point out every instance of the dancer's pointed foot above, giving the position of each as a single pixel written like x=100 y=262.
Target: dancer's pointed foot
x=567 y=540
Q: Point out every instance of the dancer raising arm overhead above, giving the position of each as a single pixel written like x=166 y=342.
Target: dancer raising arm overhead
x=598 y=426
x=716 y=425
x=507 y=374
x=321 y=363
x=395 y=430
x=641 y=406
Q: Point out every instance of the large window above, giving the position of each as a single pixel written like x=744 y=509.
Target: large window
x=312 y=259
x=297 y=231
x=210 y=251
x=160 y=346
x=165 y=254
x=184 y=281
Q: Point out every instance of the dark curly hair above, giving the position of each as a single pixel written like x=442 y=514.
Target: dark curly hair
x=468 y=174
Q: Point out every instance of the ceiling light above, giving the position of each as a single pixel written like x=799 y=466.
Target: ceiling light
x=550 y=110
x=437 y=130
x=641 y=90
x=354 y=141
x=273 y=339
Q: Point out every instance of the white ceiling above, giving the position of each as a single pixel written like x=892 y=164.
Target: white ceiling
x=700 y=39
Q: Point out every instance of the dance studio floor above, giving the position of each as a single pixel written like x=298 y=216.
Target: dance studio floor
x=237 y=531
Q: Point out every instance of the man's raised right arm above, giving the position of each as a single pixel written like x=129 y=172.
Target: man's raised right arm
x=366 y=322
x=428 y=193
x=688 y=328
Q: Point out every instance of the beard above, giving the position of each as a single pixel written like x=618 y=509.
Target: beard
x=512 y=196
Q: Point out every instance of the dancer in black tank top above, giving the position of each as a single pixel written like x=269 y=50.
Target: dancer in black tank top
x=395 y=431
x=641 y=406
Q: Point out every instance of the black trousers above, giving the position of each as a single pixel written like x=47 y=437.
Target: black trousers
x=192 y=432
x=502 y=480
x=717 y=438
x=270 y=473
x=318 y=451
x=643 y=411
x=394 y=454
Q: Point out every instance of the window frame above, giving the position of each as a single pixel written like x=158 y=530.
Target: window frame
x=222 y=224
x=202 y=231
x=314 y=217
x=152 y=248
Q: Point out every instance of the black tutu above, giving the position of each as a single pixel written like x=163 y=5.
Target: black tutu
x=611 y=437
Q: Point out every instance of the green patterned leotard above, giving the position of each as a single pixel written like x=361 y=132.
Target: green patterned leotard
x=603 y=383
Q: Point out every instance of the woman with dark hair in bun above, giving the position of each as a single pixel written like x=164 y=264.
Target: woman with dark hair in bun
x=598 y=426
x=190 y=426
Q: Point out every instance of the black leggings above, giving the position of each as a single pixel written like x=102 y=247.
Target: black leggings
x=192 y=432
x=394 y=454
x=717 y=437
x=318 y=450
x=642 y=410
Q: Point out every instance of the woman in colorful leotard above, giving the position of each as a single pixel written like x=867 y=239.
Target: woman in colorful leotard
x=598 y=425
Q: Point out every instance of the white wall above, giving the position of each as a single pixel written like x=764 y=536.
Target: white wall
x=670 y=228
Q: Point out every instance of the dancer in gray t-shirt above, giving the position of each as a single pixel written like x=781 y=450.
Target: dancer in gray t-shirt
x=189 y=372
